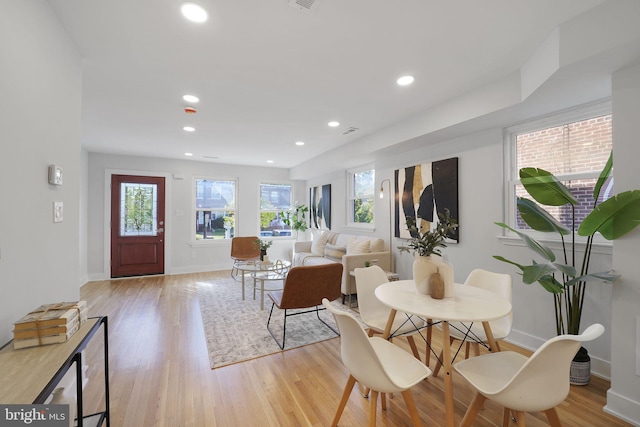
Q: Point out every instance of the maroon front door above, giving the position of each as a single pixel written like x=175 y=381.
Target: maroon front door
x=137 y=225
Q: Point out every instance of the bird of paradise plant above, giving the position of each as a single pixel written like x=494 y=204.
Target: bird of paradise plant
x=567 y=280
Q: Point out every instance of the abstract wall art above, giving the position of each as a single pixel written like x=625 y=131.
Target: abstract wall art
x=424 y=191
x=320 y=207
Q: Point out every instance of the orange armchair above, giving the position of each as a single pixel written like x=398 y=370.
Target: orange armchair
x=243 y=249
x=305 y=287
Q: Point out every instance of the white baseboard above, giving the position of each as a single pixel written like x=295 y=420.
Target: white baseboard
x=623 y=408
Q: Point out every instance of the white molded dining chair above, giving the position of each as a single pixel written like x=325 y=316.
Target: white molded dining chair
x=375 y=314
x=377 y=364
x=497 y=283
x=521 y=384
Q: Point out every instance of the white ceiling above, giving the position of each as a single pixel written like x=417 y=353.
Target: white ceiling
x=269 y=75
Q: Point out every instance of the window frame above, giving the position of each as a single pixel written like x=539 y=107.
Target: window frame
x=351 y=198
x=195 y=209
x=510 y=172
x=260 y=210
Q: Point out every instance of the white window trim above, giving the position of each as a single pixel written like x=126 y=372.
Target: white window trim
x=212 y=242
x=291 y=203
x=349 y=223
x=594 y=109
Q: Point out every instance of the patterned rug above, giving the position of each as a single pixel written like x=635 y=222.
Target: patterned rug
x=236 y=330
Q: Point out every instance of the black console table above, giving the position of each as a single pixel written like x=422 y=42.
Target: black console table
x=30 y=375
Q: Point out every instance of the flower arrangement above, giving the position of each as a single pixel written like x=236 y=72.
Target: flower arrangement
x=264 y=244
x=429 y=242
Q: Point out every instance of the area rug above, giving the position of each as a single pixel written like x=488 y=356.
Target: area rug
x=236 y=330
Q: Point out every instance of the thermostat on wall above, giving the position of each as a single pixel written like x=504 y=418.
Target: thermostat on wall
x=55 y=175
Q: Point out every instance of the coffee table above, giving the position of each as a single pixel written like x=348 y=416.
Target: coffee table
x=256 y=269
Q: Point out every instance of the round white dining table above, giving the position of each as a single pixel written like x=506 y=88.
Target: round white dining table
x=470 y=304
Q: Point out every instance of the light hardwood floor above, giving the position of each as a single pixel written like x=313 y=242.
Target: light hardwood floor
x=160 y=372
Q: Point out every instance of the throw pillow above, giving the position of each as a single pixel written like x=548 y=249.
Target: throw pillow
x=317 y=246
x=376 y=245
x=334 y=252
x=356 y=246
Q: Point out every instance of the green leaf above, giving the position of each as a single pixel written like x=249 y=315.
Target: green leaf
x=538 y=248
x=533 y=273
x=545 y=188
x=605 y=276
x=503 y=259
x=606 y=171
x=613 y=218
x=538 y=218
x=568 y=270
x=550 y=284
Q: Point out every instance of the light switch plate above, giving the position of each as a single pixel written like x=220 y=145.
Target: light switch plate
x=58 y=210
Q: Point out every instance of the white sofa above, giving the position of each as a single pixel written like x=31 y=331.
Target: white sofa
x=352 y=251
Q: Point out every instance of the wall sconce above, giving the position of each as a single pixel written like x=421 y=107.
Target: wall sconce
x=388 y=181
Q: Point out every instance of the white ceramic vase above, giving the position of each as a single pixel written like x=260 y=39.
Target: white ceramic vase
x=423 y=268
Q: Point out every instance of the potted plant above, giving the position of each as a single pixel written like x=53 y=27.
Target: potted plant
x=566 y=280
x=296 y=219
x=426 y=246
x=263 y=245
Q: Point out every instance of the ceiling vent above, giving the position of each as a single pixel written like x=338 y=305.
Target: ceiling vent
x=349 y=130
x=307 y=6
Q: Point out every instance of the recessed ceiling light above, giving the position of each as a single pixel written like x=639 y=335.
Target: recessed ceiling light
x=189 y=128
x=334 y=124
x=269 y=161
x=405 y=80
x=194 y=12
x=191 y=98
x=188 y=154
x=299 y=143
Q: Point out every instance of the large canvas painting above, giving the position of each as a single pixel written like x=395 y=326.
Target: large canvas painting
x=424 y=191
x=320 y=207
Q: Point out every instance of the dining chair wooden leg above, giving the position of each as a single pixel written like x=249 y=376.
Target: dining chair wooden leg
x=427 y=358
x=414 y=349
x=476 y=349
x=439 y=361
x=466 y=349
x=552 y=416
x=383 y=401
x=472 y=410
x=373 y=403
x=520 y=421
x=506 y=417
x=343 y=401
x=411 y=406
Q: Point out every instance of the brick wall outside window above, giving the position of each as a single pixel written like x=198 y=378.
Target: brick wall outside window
x=578 y=147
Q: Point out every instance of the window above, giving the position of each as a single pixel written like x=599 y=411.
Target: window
x=138 y=209
x=361 y=197
x=275 y=199
x=215 y=209
x=574 y=147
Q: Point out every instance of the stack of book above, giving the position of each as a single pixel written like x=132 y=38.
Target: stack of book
x=49 y=324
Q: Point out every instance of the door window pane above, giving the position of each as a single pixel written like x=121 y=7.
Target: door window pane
x=138 y=214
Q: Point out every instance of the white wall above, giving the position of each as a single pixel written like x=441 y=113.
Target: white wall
x=623 y=399
x=181 y=254
x=480 y=172
x=40 y=82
